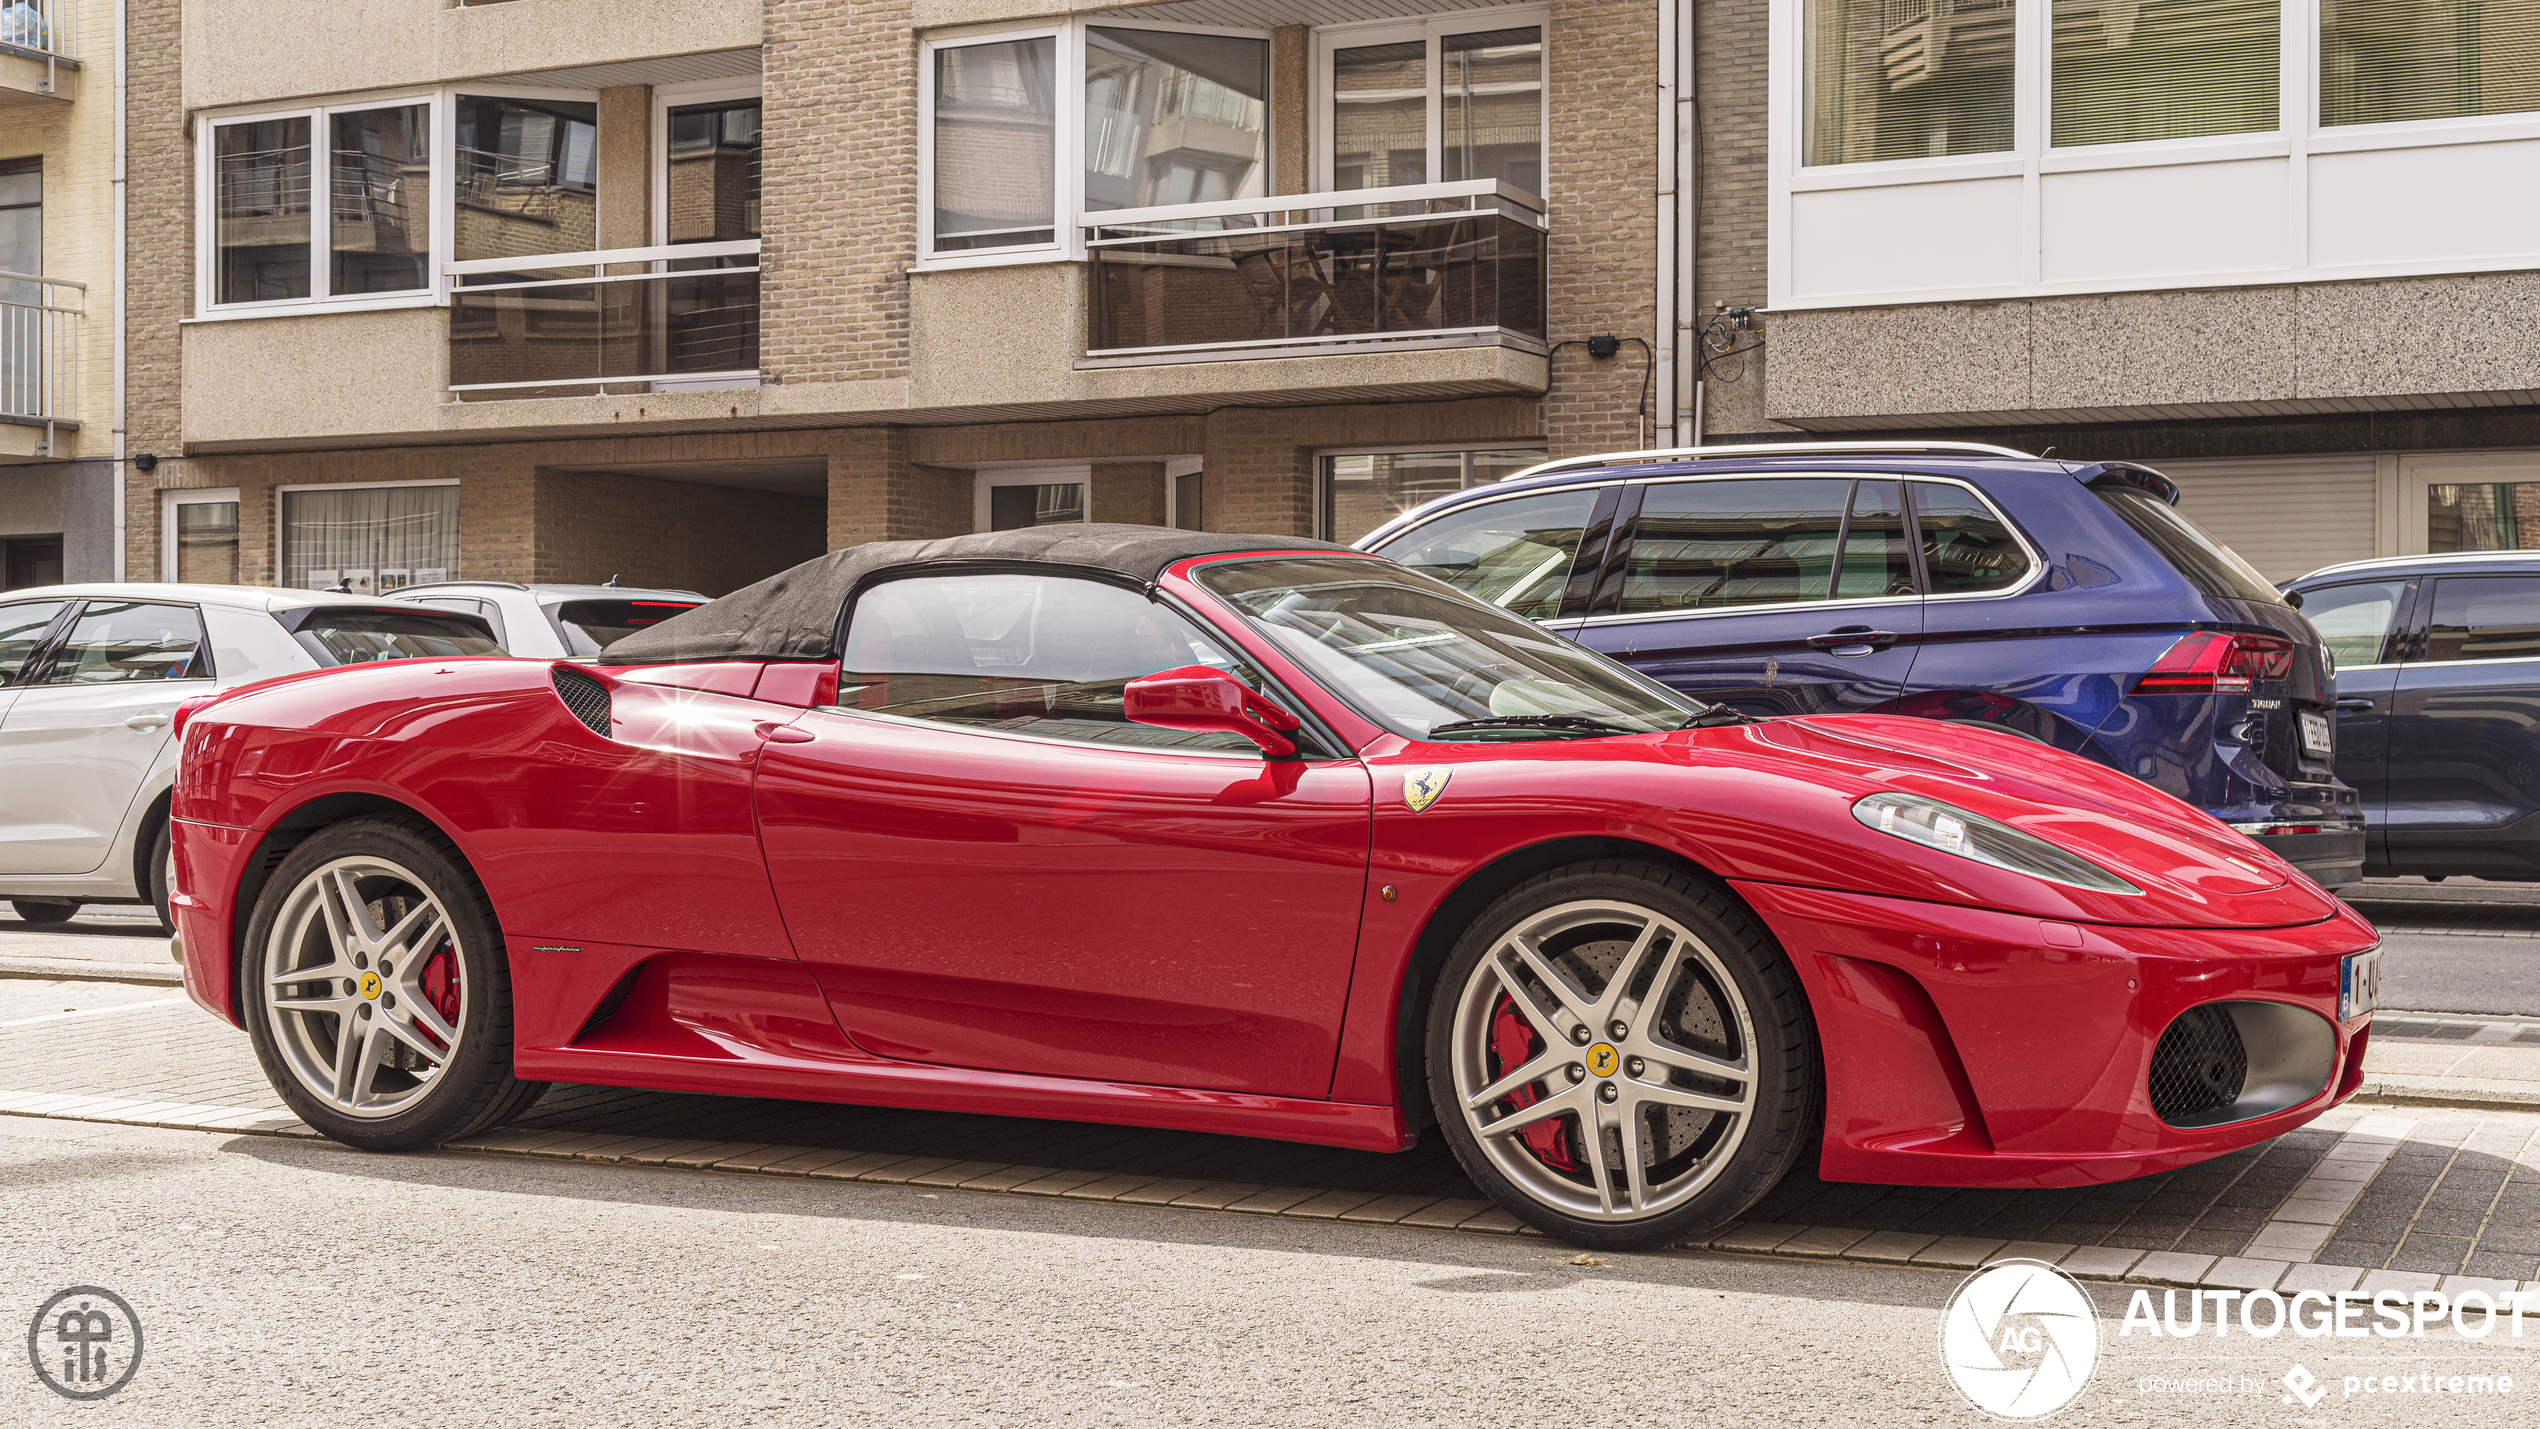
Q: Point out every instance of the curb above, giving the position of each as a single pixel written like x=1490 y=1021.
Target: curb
x=2468 y=1092
x=90 y=970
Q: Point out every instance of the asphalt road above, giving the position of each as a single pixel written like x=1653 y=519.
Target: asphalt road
x=289 y=1283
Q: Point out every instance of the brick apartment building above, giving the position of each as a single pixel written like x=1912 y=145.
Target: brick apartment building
x=686 y=292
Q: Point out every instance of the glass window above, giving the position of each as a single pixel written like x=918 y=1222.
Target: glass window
x=526 y=179
x=2354 y=619
x=996 y=144
x=2484 y=618
x=591 y=626
x=711 y=185
x=1044 y=655
x=1380 y=115
x=30 y=561
x=1012 y=508
x=1430 y=663
x=1966 y=546
x=2486 y=516
x=22 y=386
x=1904 y=79
x=1877 y=560
x=1361 y=493
x=1515 y=554
x=261 y=215
x=1705 y=545
x=2387 y=60
x=21 y=626
x=114 y=641
x=2205 y=563
x=1490 y=122
x=207 y=543
x=369 y=539
x=350 y=635
x=1174 y=118
x=1188 y=512
x=2125 y=70
x=381 y=229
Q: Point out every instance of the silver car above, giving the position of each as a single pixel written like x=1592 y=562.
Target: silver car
x=555 y=622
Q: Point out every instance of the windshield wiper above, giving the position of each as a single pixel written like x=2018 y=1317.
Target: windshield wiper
x=1556 y=723
x=1716 y=716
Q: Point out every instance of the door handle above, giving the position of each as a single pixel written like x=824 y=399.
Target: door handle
x=1852 y=642
x=784 y=733
x=145 y=721
x=2355 y=703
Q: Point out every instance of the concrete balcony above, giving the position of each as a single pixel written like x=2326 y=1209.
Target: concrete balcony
x=689 y=322
x=36 y=68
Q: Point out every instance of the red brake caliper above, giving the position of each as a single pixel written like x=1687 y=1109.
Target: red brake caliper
x=440 y=982
x=1512 y=1044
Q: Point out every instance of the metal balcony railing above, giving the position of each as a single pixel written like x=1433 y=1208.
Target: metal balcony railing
x=40 y=320
x=40 y=25
x=518 y=324
x=1421 y=264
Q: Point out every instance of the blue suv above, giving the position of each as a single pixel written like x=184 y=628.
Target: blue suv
x=2064 y=602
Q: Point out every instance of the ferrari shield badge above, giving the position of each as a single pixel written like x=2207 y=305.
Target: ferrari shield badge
x=1421 y=787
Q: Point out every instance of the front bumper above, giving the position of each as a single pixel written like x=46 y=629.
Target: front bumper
x=1965 y=1047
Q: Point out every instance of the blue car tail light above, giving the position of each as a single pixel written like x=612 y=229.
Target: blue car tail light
x=2208 y=663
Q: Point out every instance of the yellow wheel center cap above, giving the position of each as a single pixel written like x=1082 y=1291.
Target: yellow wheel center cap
x=370 y=988
x=1603 y=1059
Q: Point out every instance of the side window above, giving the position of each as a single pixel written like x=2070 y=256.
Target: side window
x=1704 y=545
x=1514 y=554
x=21 y=626
x=114 y=641
x=2484 y=618
x=1876 y=559
x=2354 y=619
x=1966 y=547
x=1044 y=655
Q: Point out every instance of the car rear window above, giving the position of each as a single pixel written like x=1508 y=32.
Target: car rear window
x=2207 y=564
x=591 y=626
x=351 y=635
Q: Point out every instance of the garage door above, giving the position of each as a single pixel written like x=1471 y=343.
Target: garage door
x=2288 y=516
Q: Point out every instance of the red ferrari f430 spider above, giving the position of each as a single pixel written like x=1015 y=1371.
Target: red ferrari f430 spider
x=1251 y=835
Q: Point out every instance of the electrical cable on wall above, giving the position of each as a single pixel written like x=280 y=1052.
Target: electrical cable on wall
x=1601 y=347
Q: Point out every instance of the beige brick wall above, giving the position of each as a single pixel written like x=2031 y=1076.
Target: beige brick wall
x=1127 y=491
x=594 y=526
x=1603 y=177
x=1732 y=66
x=159 y=282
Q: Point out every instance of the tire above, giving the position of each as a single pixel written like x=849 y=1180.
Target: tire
x=46 y=912
x=162 y=876
x=403 y=1036
x=1710 y=1095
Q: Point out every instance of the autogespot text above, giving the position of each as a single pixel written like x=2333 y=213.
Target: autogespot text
x=2323 y=1314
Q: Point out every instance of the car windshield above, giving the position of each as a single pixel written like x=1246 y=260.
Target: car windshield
x=591 y=626
x=352 y=635
x=1428 y=662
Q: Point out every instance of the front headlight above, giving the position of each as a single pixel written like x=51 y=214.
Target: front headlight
x=1951 y=829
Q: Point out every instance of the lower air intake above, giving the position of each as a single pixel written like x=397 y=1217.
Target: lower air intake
x=585 y=696
x=2198 y=1067
x=2234 y=1061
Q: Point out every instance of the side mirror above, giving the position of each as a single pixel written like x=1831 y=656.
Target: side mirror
x=1201 y=697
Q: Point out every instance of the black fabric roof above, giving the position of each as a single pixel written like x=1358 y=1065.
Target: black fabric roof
x=793 y=615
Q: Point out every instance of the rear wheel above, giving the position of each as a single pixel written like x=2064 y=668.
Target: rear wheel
x=45 y=912
x=1621 y=1055
x=377 y=992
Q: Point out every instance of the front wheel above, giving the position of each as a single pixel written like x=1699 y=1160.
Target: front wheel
x=377 y=992
x=1621 y=1056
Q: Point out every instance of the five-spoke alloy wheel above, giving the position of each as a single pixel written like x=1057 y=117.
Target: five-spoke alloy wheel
x=377 y=991
x=1620 y=1055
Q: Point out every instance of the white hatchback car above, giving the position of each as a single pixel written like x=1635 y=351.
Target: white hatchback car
x=556 y=622
x=90 y=678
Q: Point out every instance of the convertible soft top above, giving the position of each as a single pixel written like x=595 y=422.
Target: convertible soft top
x=793 y=615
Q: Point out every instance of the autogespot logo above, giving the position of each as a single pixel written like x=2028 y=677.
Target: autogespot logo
x=2020 y=1339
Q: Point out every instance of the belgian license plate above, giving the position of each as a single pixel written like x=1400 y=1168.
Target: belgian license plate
x=2358 y=984
x=2315 y=733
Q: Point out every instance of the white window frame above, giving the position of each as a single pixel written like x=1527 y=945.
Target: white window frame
x=679 y=96
x=321 y=207
x=1432 y=29
x=2031 y=157
x=1068 y=190
x=281 y=538
x=1029 y=474
x=192 y=496
x=1323 y=473
x=443 y=119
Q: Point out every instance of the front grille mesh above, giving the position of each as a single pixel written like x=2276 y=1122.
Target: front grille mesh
x=585 y=696
x=2200 y=1065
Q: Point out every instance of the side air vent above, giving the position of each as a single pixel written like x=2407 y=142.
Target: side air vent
x=2231 y=1061
x=585 y=696
x=609 y=1004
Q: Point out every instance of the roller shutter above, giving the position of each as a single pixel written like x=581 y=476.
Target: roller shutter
x=2288 y=516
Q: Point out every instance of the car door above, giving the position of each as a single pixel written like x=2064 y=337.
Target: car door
x=1982 y=656
x=2464 y=753
x=88 y=725
x=2363 y=624
x=1730 y=589
x=988 y=867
